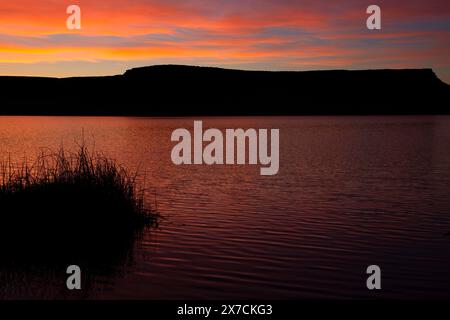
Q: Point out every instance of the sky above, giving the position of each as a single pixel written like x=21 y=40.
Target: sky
x=116 y=35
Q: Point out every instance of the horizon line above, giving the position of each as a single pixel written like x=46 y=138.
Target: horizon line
x=228 y=69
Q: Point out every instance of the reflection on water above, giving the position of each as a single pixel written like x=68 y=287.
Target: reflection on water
x=351 y=192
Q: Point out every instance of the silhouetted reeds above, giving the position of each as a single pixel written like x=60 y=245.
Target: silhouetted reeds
x=80 y=207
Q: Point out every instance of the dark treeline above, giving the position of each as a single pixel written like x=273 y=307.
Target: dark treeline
x=172 y=90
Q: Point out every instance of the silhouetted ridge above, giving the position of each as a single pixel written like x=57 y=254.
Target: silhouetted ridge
x=177 y=69
x=425 y=75
x=176 y=90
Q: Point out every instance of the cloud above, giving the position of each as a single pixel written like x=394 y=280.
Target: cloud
x=267 y=34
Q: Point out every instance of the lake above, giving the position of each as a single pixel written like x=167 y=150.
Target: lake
x=350 y=192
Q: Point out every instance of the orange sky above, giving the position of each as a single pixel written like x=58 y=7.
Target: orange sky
x=248 y=34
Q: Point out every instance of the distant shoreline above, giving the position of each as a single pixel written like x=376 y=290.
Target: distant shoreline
x=184 y=91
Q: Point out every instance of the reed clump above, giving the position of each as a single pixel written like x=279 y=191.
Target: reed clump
x=79 y=205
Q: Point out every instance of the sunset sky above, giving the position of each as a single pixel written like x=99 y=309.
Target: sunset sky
x=247 y=34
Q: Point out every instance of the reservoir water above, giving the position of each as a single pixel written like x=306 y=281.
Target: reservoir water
x=350 y=192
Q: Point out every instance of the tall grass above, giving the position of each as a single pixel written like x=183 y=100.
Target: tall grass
x=81 y=205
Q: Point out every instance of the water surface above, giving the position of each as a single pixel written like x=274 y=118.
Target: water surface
x=350 y=192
